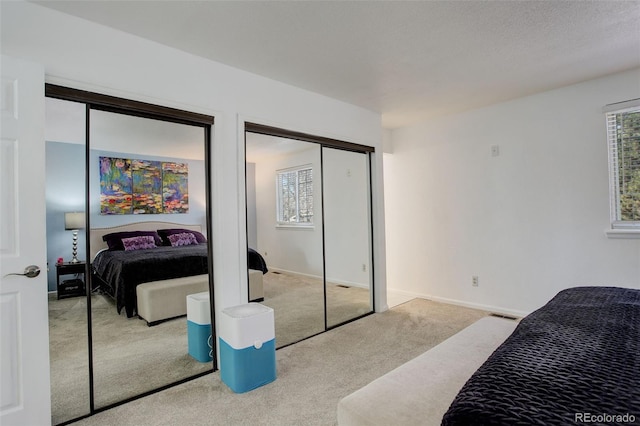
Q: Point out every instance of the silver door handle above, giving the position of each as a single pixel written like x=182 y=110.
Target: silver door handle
x=30 y=271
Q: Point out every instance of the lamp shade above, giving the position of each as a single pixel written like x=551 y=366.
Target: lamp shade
x=74 y=220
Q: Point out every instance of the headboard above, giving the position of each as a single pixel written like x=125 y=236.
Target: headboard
x=96 y=234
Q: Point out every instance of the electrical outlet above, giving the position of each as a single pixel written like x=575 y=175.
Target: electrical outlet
x=474 y=281
x=364 y=267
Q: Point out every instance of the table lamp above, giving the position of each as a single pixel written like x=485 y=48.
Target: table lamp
x=74 y=221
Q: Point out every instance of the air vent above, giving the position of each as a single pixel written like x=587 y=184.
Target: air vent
x=493 y=314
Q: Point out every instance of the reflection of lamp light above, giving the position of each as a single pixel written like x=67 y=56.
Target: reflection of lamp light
x=73 y=222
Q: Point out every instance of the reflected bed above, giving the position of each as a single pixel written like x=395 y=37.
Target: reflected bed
x=140 y=255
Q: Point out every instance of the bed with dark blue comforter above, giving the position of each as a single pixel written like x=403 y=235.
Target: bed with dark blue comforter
x=575 y=360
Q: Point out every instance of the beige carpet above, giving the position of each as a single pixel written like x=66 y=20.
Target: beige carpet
x=298 y=304
x=131 y=358
x=313 y=375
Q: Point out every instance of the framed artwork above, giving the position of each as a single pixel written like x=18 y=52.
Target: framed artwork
x=134 y=186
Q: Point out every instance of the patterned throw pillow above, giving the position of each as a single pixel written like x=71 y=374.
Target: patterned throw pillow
x=141 y=242
x=164 y=234
x=114 y=240
x=182 y=239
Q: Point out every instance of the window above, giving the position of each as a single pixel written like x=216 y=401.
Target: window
x=623 y=134
x=295 y=196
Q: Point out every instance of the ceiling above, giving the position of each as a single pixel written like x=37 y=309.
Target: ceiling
x=408 y=60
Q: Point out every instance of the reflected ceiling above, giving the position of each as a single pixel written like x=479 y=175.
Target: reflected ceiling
x=122 y=133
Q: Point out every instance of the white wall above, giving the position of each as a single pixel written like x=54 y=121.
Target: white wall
x=529 y=222
x=83 y=55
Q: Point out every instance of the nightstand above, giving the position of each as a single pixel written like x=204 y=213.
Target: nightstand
x=74 y=287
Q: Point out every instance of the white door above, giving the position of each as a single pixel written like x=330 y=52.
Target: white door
x=24 y=331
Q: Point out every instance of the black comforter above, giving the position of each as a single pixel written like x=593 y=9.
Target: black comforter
x=122 y=271
x=575 y=360
x=256 y=261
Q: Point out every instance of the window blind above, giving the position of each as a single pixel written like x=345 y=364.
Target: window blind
x=623 y=134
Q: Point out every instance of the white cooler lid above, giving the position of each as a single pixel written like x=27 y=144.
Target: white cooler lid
x=242 y=326
x=247 y=310
x=198 y=308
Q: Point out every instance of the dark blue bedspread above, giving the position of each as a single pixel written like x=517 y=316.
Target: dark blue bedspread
x=575 y=360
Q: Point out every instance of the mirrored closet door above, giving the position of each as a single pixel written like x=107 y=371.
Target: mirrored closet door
x=285 y=233
x=65 y=198
x=347 y=234
x=130 y=183
x=134 y=162
x=309 y=225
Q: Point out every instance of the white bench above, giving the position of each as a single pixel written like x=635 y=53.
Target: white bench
x=161 y=300
x=420 y=391
x=256 y=288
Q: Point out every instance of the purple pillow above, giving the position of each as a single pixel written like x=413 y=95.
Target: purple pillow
x=164 y=234
x=141 y=242
x=114 y=240
x=183 y=239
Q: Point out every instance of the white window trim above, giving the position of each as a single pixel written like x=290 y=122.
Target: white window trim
x=619 y=229
x=622 y=233
x=291 y=225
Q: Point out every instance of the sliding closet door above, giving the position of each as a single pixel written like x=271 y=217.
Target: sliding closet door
x=284 y=227
x=332 y=243
x=68 y=324
x=129 y=357
x=347 y=235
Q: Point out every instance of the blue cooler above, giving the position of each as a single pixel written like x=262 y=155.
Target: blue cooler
x=247 y=346
x=199 y=326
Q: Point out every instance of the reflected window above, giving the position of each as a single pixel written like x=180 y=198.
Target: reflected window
x=295 y=196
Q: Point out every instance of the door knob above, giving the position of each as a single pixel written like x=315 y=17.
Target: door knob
x=30 y=271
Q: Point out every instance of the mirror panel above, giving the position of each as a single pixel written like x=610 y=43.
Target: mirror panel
x=284 y=226
x=130 y=357
x=347 y=235
x=65 y=192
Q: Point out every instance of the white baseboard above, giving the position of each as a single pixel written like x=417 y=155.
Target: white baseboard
x=490 y=308
x=318 y=277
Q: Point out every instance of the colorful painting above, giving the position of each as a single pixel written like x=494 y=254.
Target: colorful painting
x=147 y=186
x=115 y=186
x=175 y=190
x=132 y=186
